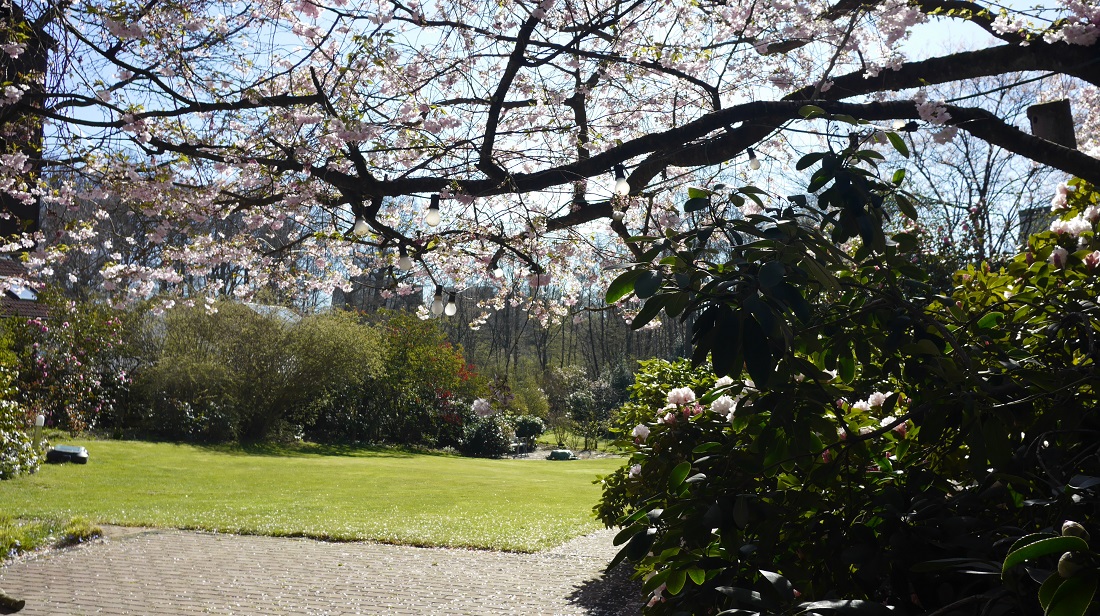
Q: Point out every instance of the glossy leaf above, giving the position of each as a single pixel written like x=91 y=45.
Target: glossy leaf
x=991 y=319
x=1072 y=597
x=1043 y=547
x=898 y=143
x=648 y=284
x=696 y=203
x=622 y=286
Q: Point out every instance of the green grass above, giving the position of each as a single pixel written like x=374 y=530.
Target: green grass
x=19 y=536
x=323 y=492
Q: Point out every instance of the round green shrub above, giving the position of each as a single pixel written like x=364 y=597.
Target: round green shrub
x=486 y=437
x=528 y=426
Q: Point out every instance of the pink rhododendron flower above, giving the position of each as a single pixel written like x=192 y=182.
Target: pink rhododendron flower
x=1058 y=257
x=1059 y=202
x=635 y=471
x=1092 y=259
x=640 y=432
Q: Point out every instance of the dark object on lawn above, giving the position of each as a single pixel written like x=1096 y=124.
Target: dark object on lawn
x=67 y=453
x=561 y=454
x=10 y=605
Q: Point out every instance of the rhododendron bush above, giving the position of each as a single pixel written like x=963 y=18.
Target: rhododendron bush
x=72 y=366
x=19 y=453
x=851 y=441
x=222 y=147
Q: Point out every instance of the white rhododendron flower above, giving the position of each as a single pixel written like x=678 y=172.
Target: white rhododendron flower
x=481 y=407
x=682 y=395
x=723 y=405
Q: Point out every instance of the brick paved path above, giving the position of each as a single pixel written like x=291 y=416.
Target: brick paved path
x=175 y=573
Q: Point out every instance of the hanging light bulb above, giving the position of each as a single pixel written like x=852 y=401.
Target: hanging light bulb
x=622 y=187
x=617 y=215
x=437 y=301
x=360 y=228
x=405 y=262
x=452 y=307
x=754 y=162
x=432 y=218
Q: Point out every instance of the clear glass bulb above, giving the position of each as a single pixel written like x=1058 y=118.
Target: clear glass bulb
x=618 y=215
x=451 y=309
x=437 y=306
x=360 y=229
x=622 y=187
x=405 y=263
x=498 y=272
x=432 y=218
x=754 y=163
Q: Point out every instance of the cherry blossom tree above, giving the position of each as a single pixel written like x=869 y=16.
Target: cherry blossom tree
x=296 y=145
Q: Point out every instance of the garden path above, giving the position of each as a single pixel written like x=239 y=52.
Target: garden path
x=155 y=572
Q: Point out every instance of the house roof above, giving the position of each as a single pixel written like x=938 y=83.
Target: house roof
x=18 y=300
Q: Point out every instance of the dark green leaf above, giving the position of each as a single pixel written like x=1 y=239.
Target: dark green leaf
x=809 y=160
x=782 y=585
x=847 y=608
x=1046 y=591
x=898 y=143
x=726 y=352
x=678 y=475
x=639 y=544
x=705 y=447
x=741 y=511
x=758 y=355
x=742 y=595
x=648 y=284
x=696 y=203
x=675 y=581
x=622 y=286
x=697 y=575
x=1072 y=597
x=847 y=368
x=899 y=177
x=771 y=274
x=819 y=179
x=1044 y=547
x=650 y=311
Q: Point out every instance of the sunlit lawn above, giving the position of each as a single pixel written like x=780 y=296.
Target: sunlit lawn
x=323 y=492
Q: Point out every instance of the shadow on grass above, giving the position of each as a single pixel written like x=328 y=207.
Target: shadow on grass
x=301 y=450
x=611 y=594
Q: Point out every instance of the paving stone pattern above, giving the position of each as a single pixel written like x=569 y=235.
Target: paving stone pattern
x=177 y=573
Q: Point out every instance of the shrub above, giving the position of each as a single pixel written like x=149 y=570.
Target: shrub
x=528 y=427
x=71 y=365
x=486 y=437
x=239 y=374
x=530 y=399
x=884 y=445
x=18 y=451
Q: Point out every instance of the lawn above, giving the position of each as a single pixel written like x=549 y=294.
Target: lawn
x=323 y=492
